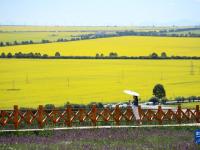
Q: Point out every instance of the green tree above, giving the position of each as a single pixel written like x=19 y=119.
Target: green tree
x=154 y=55
x=8 y=43
x=57 y=54
x=163 y=55
x=3 y=55
x=44 y=56
x=159 y=91
x=9 y=55
x=113 y=54
x=101 y=55
x=1 y=44
x=15 y=43
x=97 y=55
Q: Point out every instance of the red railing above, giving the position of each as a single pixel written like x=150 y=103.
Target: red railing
x=95 y=116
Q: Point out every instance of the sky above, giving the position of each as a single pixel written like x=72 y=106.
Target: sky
x=100 y=12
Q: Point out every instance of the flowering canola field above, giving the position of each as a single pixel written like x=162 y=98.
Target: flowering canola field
x=29 y=83
x=127 y=45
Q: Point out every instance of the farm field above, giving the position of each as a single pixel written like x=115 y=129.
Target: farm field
x=53 y=33
x=38 y=36
x=29 y=82
x=128 y=46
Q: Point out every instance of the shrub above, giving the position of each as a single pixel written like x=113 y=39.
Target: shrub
x=179 y=99
x=164 y=100
x=155 y=100
x=49 y=106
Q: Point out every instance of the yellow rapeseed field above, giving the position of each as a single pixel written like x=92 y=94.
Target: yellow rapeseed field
x=29 y=83
x=129 y=46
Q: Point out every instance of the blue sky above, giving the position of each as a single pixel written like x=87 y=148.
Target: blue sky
x=100 y=12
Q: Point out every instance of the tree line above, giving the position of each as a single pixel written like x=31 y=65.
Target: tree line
x=111 y=55
x=23 y=55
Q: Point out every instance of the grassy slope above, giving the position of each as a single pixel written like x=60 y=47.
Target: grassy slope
x=84 y=81
x=169 y=138
x=129 y=45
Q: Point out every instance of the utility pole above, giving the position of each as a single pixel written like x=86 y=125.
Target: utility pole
x=191 y=68
x=13 y=84
x=161 y=78
x=67 y=82
x=27 y=80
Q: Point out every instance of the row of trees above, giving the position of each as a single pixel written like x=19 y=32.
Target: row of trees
x=112 y=55
x=180 y=29
x=23 y=42
x=16 y=43
x=23 y=55
x=178 y=99
x=168 y=33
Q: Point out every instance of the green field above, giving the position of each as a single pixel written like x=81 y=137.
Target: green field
x=124 y=46
x=38 y=36
x=29 y=83
x=53 y=33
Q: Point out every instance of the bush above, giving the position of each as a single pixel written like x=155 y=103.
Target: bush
x=155 y=100
x=49 y=106
x=192 y=98
x=179 y=99
x=164 y=100
x=57 y=54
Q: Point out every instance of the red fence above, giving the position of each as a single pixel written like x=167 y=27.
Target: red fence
x=41 y=117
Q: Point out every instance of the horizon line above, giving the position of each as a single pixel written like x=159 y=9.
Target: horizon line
x=197 y=25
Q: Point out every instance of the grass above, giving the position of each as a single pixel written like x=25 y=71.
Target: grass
x=129 y=46
x=29 y=83
x=191 y=105
x=122 y=138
